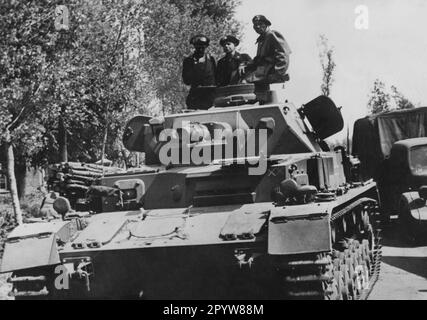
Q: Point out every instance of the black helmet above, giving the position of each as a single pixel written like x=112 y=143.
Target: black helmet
x=229 y=38
x=261 y=18
x=200 y=39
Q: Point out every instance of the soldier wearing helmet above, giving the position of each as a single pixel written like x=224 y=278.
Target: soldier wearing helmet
x=231 y=67
x=199 y=72
x=272 y=59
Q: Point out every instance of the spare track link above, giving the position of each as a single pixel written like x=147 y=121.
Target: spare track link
x=28 y=287
x=351 y=269
x=35 y=283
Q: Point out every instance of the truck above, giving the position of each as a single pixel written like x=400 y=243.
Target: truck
x=392 y=148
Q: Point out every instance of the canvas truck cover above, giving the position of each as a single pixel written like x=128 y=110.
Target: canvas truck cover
x=373 y=136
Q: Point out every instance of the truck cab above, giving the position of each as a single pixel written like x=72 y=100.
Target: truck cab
x=392 y=148
x=407 y=183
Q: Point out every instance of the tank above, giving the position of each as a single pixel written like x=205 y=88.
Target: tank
x=241 y=201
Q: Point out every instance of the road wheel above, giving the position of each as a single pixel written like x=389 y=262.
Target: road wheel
x=347 y=289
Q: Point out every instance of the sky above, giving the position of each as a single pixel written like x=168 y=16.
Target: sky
x=393 y=48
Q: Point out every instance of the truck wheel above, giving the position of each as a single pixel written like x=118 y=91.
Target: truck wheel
x=409 y=225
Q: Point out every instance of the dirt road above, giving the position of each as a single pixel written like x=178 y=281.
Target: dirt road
x=404 y=267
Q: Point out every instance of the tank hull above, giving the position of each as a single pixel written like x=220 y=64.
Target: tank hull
x=167 y=268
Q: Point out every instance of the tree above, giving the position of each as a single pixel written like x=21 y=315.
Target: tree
x=26 y=33
x=167 y=30
x=118 y=60
x=96 y=76
x=121 y=59
x=109 y=68
x=65 y=94
x=401 y=101
x=379 y=100
x=328 y=65
x=218 y=10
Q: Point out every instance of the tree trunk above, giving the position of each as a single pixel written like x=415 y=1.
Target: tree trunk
x=12 y=179
x=63 y=141
x=21 y=177
x=104 y=141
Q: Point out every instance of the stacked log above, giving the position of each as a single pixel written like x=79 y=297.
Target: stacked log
x=72 y=179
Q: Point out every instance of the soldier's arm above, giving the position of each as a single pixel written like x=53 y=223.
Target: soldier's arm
x=281 y=61
x=250 y=64
x=244 y=63
x=281 y=56
x=219 y=73
x=245 y=59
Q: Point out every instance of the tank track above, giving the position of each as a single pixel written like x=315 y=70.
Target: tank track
x=350 y=270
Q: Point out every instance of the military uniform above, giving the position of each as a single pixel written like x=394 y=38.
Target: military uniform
x=199 y=73
x=272 y=59
x=227 y=72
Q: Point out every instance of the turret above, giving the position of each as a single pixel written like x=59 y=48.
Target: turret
x=240 y=125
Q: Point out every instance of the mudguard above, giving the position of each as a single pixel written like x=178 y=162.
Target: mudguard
x=417 y=206
x=299 y=229
x=35 y=245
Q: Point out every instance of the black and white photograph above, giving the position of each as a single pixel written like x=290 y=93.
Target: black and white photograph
x=214 y=155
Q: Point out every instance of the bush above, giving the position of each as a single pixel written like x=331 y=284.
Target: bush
x=30 y=206
x=7 y=224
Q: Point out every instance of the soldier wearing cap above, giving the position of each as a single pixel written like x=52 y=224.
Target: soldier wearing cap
x=272 y=59
x=231 y=67
x=199 y=72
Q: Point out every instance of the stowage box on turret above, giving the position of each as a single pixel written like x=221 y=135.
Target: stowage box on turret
x=243 y=200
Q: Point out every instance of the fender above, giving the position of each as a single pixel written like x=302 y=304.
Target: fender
x=35 y=244
x=291 y=230
x=416 y=205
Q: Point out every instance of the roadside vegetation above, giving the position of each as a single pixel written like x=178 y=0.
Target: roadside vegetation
x=72 y=75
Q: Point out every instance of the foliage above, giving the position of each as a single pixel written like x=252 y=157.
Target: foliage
x=218 y=10
x=74 y=87
x=30 y=205
x=380 y=100
x=114 y=60
x=94 y=75
x=25 y=44
x=328 y=65
x=167 y=30
x=400 y=100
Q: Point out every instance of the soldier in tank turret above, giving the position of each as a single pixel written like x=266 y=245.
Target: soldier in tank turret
x=272 y=59
x=232 y=66
x=199 y=72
